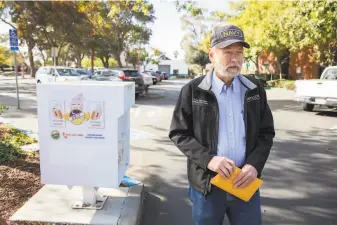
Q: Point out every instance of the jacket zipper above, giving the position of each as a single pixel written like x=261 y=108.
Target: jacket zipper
x=245 y=118
x=214 y=144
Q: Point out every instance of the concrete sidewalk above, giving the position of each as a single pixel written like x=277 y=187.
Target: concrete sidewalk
x=52 y=204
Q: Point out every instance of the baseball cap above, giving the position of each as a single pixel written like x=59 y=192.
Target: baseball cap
x=227 y=35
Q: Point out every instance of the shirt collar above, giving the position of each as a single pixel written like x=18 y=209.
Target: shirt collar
x=219 y=85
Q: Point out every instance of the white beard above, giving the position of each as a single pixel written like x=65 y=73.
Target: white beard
x=220 y=69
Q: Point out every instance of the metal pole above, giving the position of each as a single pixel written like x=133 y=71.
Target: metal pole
x=139 y=60
x=16 y=79
x=92 y=52
x=55 y=67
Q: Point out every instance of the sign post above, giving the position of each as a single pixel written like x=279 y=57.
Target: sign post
x=54 y=55
x=14 y=46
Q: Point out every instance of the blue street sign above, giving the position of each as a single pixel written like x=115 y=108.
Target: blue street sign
x=13 y=40
x=14 y=49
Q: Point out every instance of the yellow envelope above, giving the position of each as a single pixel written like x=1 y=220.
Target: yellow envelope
x=227 y=185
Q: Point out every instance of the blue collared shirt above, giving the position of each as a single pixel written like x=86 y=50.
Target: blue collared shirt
x=231 y=136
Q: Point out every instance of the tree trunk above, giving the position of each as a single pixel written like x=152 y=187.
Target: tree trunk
x=56 y=61
x=102 y=59
x=43 y=57
x=119 y=62
x=31 y=59
x=257 y=64
x=280 y=69
x=78 y=60
x=203 y=69
x=107 y=61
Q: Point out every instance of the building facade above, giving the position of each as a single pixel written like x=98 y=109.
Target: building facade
x=171 y=67
x=298 y=65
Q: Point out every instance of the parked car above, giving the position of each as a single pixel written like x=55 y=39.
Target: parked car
x=5 y=67
x=166 y=76
x=160 y=74
x=152 y=75
x=86 y=74
x=106 y=75
x=131 y=75
x=318 y=92
x=49 y=74
x=147 y=79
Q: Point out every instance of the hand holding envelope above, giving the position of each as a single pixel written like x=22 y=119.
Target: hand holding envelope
x=222 y=165
x=245 y=177
x=244 y=193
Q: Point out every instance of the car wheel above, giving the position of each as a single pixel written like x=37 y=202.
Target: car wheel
x=308 y=107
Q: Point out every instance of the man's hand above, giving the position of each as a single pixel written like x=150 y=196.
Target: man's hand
x=222 y=165
x=246 y=177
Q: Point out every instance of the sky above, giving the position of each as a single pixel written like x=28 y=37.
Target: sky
x=167 y=31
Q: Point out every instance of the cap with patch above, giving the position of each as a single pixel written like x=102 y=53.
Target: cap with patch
x=227 y=35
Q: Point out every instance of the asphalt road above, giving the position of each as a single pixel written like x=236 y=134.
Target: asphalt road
x=300 y=178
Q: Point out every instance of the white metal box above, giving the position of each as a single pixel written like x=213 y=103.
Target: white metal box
x=84 y=132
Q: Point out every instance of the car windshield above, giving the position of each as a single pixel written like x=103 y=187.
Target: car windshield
x=67 y=72
x=131 y=73
x=82 y=72
x=108 y=73
x=331 y=74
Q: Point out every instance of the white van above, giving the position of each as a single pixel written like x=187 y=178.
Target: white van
x=49 y=74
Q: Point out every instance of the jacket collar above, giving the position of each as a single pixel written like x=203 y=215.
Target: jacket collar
x=206 y=83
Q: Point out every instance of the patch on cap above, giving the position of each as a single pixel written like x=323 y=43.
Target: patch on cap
x=227 y=35
x=231 y=33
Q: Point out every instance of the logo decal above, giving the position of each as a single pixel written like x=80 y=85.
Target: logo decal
x=253 y=98
x=200 y=101
x=231 y=33
x=55 y=134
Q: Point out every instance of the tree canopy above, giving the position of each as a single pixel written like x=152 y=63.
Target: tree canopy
x=80 y=28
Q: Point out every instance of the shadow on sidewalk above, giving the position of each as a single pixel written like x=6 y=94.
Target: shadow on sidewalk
x=28 y=107
x=301 y=179
x=166 y=202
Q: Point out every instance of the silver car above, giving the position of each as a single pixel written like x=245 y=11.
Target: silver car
x=106 y=75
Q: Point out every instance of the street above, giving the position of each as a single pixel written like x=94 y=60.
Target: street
x=300 y=178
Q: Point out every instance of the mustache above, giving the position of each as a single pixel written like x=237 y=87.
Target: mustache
x=236 y=66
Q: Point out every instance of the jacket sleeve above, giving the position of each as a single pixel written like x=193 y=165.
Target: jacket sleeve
x=260 y=154
x=181 y=131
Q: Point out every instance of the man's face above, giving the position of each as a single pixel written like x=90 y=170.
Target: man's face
x=227 y=62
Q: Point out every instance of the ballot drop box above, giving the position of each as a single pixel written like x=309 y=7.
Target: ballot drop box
x=84 y=137
x=84 y=132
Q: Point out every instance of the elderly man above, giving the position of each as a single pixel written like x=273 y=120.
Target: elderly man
x=222 y=121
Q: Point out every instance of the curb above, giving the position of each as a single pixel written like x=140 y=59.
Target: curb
x=132 y=211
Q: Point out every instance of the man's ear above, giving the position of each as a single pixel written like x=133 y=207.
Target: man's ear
x=211 y=54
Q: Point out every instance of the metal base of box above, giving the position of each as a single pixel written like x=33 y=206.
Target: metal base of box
x=53 y=204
